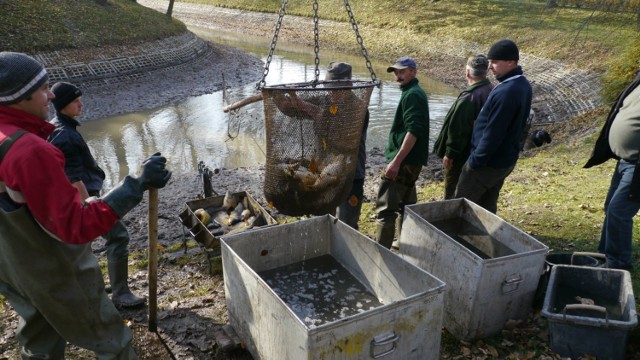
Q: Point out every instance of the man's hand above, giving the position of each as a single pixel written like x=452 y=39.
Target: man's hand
x=392 y=170
x=154 y=174
x=447 y=162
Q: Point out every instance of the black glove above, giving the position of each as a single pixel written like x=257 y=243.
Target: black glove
x=154 y=174
x=129 y=192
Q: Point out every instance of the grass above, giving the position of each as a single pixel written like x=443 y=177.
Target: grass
x=587 y=39
x=43 y=25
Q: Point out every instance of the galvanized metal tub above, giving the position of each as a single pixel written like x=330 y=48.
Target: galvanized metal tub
x=406 y=326
x=491 y=268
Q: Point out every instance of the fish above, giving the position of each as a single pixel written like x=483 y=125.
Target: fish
x=234 y=218
x=246 y=213
x=245 y=202
x=203 y=216
x=222 y=218
x=230 y=201
x=305 y=177
x=239 y=208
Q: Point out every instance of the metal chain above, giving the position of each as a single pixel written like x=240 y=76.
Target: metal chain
x=316 y=32
x=262 y=82
x=354 y=25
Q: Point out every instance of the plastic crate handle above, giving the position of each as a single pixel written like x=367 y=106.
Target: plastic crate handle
x=382 y=340
x=601 y=309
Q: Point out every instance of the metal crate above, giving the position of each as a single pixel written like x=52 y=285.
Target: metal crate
x=406 y=325
x=200 y=232
x=491 y=268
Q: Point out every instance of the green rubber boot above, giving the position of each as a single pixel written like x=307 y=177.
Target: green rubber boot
x=121 y=296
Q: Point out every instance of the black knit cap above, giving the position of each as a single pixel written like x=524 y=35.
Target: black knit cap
x=65 y=93
x=20 y=76
x=504 y=50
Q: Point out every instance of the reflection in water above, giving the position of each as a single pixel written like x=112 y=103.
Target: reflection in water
x=197 y=129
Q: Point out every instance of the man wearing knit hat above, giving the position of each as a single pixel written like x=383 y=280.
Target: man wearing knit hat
x=406 y=152
x=454 y=142
x=85 y=174
x=495 y=141
x=48 y=272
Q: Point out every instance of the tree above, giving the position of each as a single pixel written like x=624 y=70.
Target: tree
x=170 y=9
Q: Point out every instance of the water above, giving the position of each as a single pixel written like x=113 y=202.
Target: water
x=197 y=129
x=473 y=238
x=320 y=290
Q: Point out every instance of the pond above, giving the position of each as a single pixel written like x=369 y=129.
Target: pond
x=197 y=129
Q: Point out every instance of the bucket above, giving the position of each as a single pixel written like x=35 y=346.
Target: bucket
x=576 y=258
x=563 y=258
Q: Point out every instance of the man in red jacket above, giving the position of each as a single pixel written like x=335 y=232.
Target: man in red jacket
x=48 y=272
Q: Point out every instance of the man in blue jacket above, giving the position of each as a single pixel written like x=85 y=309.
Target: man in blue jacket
x=495 y=142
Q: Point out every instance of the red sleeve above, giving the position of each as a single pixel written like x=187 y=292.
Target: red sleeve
x=35 y=169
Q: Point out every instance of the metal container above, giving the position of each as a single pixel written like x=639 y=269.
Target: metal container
x=590 y=311
x=201 y=233
x=491 y=268
x=406 y=325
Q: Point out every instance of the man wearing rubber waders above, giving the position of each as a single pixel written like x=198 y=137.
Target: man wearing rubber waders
x=85 y=174
x=406 y=152
x=48 y=272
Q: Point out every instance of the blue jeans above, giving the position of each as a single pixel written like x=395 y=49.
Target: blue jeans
x=616 y=237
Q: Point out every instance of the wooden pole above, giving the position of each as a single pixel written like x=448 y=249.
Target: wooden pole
x=243 y=102
x=153 y=259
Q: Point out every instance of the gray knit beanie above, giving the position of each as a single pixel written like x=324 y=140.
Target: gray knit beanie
x=20 y=76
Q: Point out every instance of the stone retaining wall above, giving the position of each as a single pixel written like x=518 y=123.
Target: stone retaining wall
x=118 y=64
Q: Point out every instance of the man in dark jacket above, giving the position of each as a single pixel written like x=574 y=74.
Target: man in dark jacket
x=495 y=142
x=85 y=174
x=454 y=142
x=620 y=140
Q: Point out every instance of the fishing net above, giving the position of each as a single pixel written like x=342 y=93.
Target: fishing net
x=313 y=133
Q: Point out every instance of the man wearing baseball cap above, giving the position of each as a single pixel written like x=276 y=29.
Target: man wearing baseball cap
x=48 y=272
x=495 y=142
x=406 y=152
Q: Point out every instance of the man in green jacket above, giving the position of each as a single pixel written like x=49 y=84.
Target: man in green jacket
x=406 y=151
x=454 y=142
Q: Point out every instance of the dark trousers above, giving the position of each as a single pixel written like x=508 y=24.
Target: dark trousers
x=482 y=185
x=393 y=195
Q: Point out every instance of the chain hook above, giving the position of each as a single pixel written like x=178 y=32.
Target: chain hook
x=316 y=45
x=363 y=49
x=272 y=48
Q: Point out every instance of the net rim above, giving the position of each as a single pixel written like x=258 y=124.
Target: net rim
x=313 y=85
